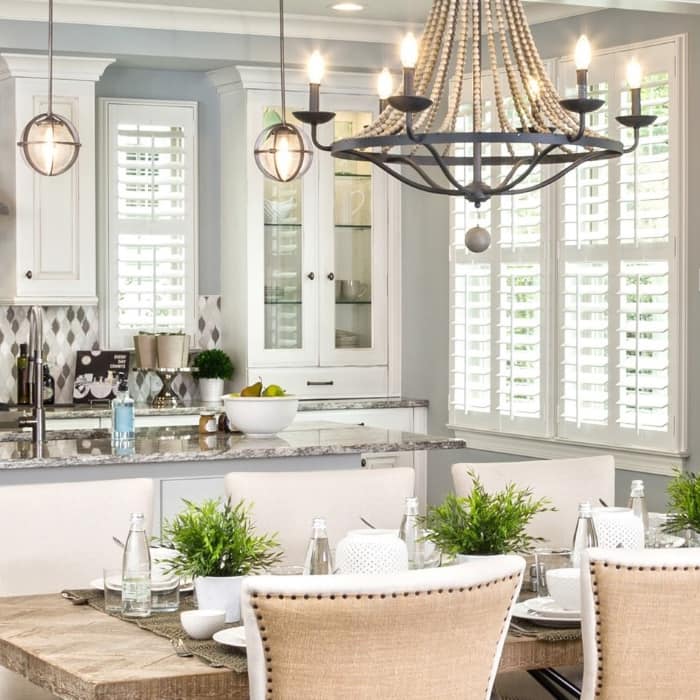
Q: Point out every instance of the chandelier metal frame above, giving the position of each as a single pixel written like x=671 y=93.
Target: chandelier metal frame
x=555 y=129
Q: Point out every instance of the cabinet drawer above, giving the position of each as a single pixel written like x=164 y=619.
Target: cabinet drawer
x=392 y=418
x=318 y=382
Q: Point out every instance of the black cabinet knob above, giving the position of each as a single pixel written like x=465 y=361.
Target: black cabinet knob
x=28 y=274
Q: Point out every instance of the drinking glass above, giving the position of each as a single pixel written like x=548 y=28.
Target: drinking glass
x=547 y=559
x=112 y=582
x=165 y=593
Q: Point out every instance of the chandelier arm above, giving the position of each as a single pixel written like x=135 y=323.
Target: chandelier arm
x=634 y=145
x=509 y=182
x=403 y=160
x=591 y=155
x=315 y=141
x=443 y=167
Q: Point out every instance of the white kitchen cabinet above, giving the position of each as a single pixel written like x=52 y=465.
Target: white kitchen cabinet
x=312 y=264
x=48 y=242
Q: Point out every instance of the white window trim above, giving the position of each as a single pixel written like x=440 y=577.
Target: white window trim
x=644 y=460
x=104 y=282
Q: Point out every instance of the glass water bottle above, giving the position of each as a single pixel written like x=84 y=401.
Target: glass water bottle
x=638 y=502
x=412 y=534
x=585 y=535
x=318 y=555
x=136 y=570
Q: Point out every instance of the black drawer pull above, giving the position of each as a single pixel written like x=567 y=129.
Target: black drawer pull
x=310 y=383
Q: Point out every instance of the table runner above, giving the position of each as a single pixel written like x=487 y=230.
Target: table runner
x=167 y=624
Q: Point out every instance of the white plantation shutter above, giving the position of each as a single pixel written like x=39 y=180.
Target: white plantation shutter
x=151 y=221
x=499 y=341
x=600 y=362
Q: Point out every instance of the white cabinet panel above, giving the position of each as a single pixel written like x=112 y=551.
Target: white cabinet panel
x=48 y=242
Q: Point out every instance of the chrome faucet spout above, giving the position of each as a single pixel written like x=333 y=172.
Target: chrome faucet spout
x=37 y=421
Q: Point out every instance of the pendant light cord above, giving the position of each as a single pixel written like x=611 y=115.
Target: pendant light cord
x=284 y=101
x=50 y=107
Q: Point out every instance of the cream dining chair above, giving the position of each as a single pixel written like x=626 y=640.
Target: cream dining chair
x=641 y=637
x=435 y=634
x=286 y=502
x=56 y=536
x=566 y=482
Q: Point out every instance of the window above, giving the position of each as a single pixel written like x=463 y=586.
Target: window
x=569 y=330
x=150 y=162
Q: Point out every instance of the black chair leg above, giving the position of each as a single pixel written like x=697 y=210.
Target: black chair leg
x=553 y=682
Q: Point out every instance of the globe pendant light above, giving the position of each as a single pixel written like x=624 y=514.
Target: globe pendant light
x=50 y=143
x=282 y=152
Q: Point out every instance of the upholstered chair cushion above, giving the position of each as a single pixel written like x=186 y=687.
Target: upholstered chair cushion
x=641 y=624
x=286 y=502
x=432 y=634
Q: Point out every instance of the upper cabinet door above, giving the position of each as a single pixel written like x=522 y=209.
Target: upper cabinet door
x=353 y=223
x=283 y=259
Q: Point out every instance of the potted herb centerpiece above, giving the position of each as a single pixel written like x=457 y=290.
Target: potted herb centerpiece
x=684 y=506
x=484 y=523
x=217 y=546
x=214 y=367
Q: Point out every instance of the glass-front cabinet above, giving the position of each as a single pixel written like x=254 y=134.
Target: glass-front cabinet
x=318 y=284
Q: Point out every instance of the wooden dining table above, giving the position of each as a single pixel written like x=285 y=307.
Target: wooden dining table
x=79 y=653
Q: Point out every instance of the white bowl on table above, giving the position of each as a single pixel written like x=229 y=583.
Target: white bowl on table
x=564 y=585
x=260 y=416
x=202 y=624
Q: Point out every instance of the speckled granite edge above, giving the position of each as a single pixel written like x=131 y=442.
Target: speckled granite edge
x=194 y=409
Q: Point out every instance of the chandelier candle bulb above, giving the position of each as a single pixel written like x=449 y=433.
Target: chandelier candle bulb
x=315 y=68
x=634 y=80
x=409 y=51
x=385 y=88
x=582 y=59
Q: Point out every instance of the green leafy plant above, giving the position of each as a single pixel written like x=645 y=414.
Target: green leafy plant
x=213 y=364
x=683 y=502
x=218 y=540
x=485 y=523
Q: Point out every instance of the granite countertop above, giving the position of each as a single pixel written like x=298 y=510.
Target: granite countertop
x=184 y=444
x=103 y=411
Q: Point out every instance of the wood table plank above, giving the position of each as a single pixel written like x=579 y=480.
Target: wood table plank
x=79 y=653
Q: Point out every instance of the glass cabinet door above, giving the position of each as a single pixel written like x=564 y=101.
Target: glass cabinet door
x=287 y=293
x=357 y=235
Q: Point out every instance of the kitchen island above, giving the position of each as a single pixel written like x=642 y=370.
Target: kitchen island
x=192 y=466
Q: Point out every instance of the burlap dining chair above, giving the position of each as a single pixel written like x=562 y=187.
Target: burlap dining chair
x=435 y=634
x=641 y=624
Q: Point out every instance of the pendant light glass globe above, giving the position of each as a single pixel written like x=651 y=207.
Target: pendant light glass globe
x=50 y=144
x=283 y=152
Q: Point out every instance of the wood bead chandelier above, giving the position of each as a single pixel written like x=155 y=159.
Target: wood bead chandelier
x=532 y=125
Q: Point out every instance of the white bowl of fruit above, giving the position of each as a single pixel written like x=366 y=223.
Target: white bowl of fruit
x=260 y=411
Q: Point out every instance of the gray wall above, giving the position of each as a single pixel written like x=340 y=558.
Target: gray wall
x=426 y=267
x=193 y=86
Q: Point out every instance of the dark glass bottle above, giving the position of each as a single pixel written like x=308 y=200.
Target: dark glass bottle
x=49 y=387
x=23 y=398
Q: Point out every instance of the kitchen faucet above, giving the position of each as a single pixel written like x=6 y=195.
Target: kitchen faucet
x=37 y=420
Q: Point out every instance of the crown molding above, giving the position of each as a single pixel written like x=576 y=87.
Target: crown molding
x=232 y=78
x=198 y=19
x=32 y=65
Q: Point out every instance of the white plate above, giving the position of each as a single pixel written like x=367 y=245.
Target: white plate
x=231 y=637
x=98 y=584
x=549 y=608
x=522 y=612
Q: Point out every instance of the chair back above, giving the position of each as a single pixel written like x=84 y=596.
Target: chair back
x=435 y=633
x=286 y=502
x=640 y=614
x=56 y=536
x=566 y=482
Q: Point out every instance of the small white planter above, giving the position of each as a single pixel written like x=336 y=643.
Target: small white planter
x=471 y=558
x=210 y=390
x=220 y=593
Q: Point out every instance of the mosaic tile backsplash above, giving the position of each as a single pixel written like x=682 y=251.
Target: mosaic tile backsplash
x=68 y=329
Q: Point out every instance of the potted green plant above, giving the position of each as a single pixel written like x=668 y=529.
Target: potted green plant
x=484 y=523
x=217 y=546
x=684 y=506
x=214 y=367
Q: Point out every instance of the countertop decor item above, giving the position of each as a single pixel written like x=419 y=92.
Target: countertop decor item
x=485 y=523
x=490 y=42
x=371 y=551
x=214 y=367
x=50 y=143
x=282 y=151
x=97 y=375
x=218 y=546
x=166 y=397
x=260 y=416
